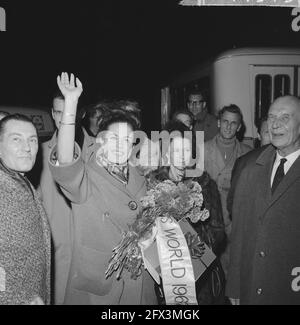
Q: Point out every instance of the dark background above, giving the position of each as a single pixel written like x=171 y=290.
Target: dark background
x=123 y=48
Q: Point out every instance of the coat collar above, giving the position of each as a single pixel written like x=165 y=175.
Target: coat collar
x=53 y=140
x=135 y=181
x=237 y=152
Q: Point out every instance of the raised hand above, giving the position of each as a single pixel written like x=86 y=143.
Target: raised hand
x=68 y=87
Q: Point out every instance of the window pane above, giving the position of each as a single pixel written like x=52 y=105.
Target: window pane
x=281 y=85
x=177 y=99
x=263 y=87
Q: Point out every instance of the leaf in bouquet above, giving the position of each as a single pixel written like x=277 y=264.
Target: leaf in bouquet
x=133 y=262
x=119 y=253
x=122 y=265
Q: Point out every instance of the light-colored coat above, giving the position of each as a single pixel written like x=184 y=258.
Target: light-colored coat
x=59 y=212
x=265 y=235
x=102 y=210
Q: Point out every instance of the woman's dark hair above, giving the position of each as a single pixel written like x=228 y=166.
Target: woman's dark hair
x=181 y=128
x=131 y=107
x=182 y=111
x=175 y=125
x=14 y=117
x=232 y=108
x=118 y=115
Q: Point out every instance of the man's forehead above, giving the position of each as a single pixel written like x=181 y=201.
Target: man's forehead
x=19 y=127
x=58 y=103
x=285 y=106
x=230 y=116
x=117 y=133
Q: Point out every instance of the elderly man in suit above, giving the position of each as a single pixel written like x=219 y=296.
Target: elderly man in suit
x=265 y=246
x=241 y=162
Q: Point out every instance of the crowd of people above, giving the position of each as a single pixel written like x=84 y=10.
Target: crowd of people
x=56 y=240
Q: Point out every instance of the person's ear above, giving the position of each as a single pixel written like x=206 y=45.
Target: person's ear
x=52 y=113
x=239 y=127
x=219 y=123
x=204 y=104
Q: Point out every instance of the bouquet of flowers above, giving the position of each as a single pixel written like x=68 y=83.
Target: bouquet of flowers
x=183 y=200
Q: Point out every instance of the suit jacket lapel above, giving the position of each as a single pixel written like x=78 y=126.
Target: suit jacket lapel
x=219 y=161
x=265 y=198
x=237 y=152
x=265 y=162
x=52 y=142
x=291 y=176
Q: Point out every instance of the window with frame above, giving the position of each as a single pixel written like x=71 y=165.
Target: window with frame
x=263 y=96
x=281 y=85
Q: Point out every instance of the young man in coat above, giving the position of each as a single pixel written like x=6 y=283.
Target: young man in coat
x=265 y=246
x=220 y=154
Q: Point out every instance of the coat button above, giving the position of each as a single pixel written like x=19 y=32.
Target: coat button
x=259 y=291
x=262 y=254
x=132 y=205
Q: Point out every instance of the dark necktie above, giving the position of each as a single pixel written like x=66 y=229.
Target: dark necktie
x=279 y=174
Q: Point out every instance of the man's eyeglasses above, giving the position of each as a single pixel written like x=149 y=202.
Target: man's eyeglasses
x=195 y=102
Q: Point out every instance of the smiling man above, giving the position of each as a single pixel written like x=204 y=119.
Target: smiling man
x=24 y=230
x=265 y=242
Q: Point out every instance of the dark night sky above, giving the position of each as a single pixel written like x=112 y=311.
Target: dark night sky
x=123 y=48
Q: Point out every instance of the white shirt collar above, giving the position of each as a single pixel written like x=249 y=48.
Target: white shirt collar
x=291 y=158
